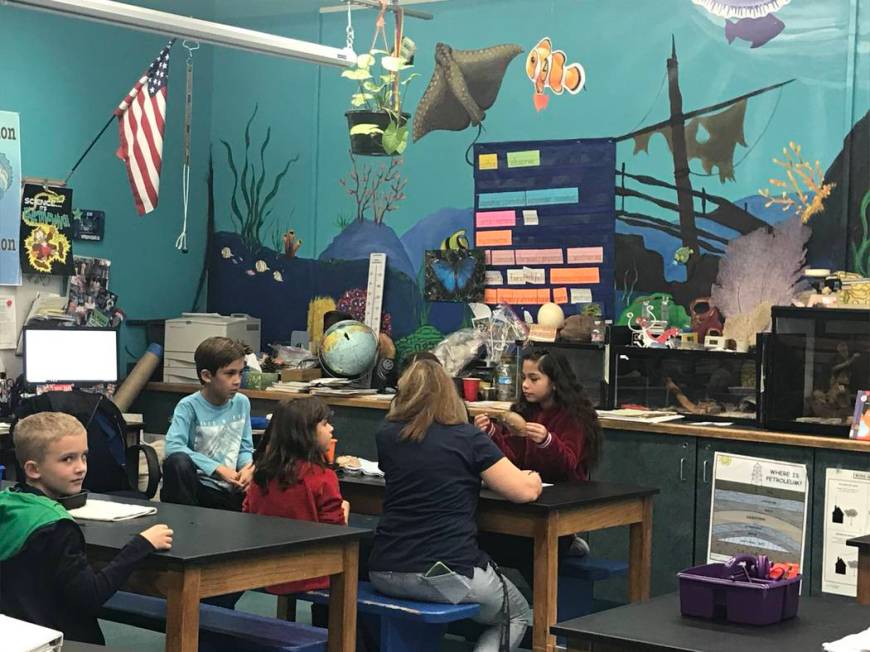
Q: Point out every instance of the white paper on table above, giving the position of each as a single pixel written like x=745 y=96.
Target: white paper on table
x=104 y=510
x=8 y=325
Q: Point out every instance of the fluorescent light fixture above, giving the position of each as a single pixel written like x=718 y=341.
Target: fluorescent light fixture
x=162 y=22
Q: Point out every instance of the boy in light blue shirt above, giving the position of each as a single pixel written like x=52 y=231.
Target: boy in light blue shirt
x=209 y=448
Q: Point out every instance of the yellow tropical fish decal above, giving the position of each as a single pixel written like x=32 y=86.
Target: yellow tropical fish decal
x=547 y=69
x=458 y=241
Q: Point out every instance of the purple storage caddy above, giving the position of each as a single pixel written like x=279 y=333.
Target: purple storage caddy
x=705 y=592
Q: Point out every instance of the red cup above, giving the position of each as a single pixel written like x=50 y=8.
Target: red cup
x=470 y=388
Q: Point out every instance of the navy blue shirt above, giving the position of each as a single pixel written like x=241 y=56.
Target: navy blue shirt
x=430 y=503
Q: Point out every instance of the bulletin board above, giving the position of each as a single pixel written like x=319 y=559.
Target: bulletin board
x=545 y=217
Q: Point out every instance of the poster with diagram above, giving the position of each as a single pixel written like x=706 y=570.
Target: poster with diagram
x=847 y=515
x=759 y=507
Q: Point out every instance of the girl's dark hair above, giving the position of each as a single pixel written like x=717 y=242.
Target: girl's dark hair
x=290 y=438
x=567 y=394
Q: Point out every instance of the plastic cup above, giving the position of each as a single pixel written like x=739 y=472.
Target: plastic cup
x=470 y=388
x=330 y=451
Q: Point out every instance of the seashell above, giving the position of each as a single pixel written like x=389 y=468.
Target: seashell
x=261 y=266
x=250 y=272
x=226 y=253
x=277 y=276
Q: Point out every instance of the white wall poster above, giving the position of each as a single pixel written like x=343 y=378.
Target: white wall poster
x=847 y=515
x=759 y=507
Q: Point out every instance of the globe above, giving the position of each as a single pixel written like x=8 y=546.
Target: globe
x=348 y=349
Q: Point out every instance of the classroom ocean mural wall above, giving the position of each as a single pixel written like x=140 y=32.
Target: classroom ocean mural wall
x=725 y=122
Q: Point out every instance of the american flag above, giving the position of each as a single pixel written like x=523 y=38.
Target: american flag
x=141 y=118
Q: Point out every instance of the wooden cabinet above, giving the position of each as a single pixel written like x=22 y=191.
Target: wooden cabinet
x=654 y=461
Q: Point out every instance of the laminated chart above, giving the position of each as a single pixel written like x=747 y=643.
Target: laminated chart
x=545 y=218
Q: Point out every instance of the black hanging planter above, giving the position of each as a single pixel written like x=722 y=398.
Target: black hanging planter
x=370 y=144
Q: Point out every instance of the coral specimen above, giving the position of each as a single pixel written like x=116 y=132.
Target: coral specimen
x=353 y=302
x=804 y=180
x=762 y=266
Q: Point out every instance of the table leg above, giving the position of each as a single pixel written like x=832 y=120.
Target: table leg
x=640 y=554
x=546 y=582
x=182 y=612
x=863 y=576
x=342 y=602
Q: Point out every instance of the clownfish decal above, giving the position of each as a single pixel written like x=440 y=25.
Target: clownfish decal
x=547 y=69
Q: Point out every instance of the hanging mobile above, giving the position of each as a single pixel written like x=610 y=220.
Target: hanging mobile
x=181 y=242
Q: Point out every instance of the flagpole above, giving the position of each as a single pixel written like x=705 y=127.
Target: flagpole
x=93 y=142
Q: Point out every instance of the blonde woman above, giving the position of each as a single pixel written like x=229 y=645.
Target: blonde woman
x=425 y=547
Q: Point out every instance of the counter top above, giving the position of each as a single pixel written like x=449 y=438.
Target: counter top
x=673 y=428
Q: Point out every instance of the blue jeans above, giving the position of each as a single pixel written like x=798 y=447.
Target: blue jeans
x=485 y=588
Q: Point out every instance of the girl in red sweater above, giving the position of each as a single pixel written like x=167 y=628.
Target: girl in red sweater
x=291 y=477
x=561 y=436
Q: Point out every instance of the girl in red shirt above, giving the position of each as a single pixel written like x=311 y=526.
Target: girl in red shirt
x=562 y=434
x=291 y=477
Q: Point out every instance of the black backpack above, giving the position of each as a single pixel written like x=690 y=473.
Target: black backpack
x=112 y=465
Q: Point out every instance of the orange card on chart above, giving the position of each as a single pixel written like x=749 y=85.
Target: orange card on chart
x=560 y=295
x=501 y=238
x=574 y=275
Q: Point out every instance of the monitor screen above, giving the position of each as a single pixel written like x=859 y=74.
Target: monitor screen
x=70 y=355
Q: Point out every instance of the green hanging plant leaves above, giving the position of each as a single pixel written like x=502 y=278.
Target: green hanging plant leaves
x=366 y=128
x=357 y=74
x=395 y=139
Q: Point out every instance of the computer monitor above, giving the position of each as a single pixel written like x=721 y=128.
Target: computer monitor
x=70 y=355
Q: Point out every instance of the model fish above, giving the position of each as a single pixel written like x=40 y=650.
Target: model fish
x=547 y=68
x=682 y=255
x=458 y=241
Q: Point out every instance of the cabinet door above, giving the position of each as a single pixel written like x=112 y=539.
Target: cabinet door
x=651 y=460
x=826 y=459
x=706 y=450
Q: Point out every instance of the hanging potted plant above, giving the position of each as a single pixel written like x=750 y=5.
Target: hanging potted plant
x=377 y=124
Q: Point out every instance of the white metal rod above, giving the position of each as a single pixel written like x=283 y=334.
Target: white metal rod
x=162 y=22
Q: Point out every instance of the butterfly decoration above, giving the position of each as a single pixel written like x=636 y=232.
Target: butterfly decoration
x=454 y=275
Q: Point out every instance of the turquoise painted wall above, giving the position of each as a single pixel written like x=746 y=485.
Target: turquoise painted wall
x=623 y=46
x=65 y=77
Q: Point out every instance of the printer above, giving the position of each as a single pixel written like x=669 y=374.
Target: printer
x=184 y=334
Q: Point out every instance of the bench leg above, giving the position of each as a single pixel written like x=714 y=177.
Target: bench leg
x=399 y=635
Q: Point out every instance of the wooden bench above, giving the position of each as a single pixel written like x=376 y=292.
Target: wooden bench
x=220 y=629
x=405 y=625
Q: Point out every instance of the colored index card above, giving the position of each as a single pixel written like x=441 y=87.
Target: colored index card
x=560 y=295
x=577 y=275
x=501 y=199
x=495 y=218
x=530 y=217
x=539 y=257
x=493 y=278
x=490 y=295
x=581 y=295
x=502 y=257
x=516 y=277
x=493 y=238
x=552 y=196
x=534 y=275
x=487 y=162
x=585 y=255
x=526 y=159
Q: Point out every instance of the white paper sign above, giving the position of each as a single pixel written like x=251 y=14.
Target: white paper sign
x=534 y=275
x=516 y=277
x=581 y=295
x=530 y=218
x=847 y=515
x=493 y=278
x=758 y=507
x=8 y=325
